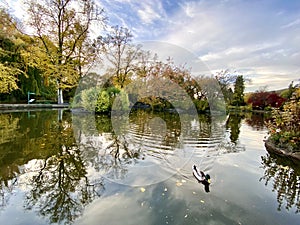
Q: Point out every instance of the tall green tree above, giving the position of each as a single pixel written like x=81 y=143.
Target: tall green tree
x=238 y=95
x=64 y=28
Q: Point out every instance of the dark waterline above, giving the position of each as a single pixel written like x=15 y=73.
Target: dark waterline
x=62 y=168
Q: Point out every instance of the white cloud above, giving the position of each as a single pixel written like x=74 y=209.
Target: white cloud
x=246 y=36
x=293 y=23
x=148 y=13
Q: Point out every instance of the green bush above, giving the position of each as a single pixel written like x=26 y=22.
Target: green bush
x=104 y=102
x=89 y=98
x=284 y=127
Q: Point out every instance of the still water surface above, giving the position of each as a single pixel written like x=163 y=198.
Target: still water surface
x=58 y=168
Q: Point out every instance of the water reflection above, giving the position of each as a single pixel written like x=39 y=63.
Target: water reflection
x=257 y=119
x=62 y=162
x=148 y=150
x=40 y=155
x=61 y=189
x=233 y=123
x=230 y=142
x=17 y=147
x=284 y=176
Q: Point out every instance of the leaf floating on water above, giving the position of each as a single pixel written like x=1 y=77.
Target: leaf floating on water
x=185 y=216
x=201 y=201
x=166 y=189
x=183 y=181
x=142 y=189
x=194 y=193
x=178 y=184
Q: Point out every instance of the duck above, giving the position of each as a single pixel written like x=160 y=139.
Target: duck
x=202 y=177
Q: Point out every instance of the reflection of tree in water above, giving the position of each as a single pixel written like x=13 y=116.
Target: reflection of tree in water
x=172 y=130
x=233 y=123
x=101 y=148
x=6 y=188
x=39 y=144
x=117 y=156
x=61 y=189
x=257 y=120
x=285 y=175
x=18 y=130
x=110 y=153
x=230 y=143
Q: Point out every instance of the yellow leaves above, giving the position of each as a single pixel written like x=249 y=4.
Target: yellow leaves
x=19 y=41
x=8 y=78
x=142 y=189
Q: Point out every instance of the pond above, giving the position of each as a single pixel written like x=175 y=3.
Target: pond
x=59 y=167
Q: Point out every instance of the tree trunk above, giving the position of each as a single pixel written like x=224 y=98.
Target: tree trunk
x=60 y=99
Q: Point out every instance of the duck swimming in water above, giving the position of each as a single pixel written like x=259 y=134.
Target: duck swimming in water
x=202 y=177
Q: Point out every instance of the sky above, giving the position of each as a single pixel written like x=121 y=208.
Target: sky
x=259 y=39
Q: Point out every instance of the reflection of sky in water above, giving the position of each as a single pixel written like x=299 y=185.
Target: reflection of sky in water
x=236 y=197
x=14 y=213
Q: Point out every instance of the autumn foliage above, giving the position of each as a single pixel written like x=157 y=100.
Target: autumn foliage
x=284 y=128
x=263 y=99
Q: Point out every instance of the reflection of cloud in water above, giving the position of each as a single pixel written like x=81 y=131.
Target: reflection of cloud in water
x=117 y=209
x=166 y=203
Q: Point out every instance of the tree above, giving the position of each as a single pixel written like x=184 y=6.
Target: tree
x=9 y=53
x=288 y=92
x=238 y=95
x=262 y=99
x=121 y=54
x=226 y=80
x=64 y=26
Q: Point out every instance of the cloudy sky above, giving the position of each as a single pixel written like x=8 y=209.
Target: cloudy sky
x=257 y=38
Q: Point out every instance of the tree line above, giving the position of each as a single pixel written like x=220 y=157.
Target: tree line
x=63 y=49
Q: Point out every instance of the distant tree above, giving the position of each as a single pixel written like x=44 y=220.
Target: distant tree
x=263 y=99
x=288 y=92
x=63 y=28
x=226 y=80
x=238 y=95
x=258 y=100
x=121 y=54
x=274 y=100
x=179 y=76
